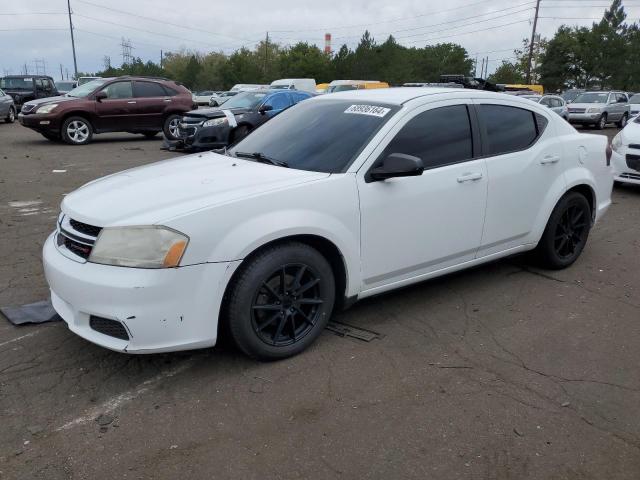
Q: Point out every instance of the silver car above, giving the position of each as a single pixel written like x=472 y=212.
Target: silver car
x=7 y=108
x=554 y=102
x=600 y=108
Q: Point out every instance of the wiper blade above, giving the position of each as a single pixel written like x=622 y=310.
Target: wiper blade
x=260 y=157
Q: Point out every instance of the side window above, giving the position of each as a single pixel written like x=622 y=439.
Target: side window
x=39 y=85
x=298 y=97
x=557 y=103
x=622 y=98
x=440 y=136
x=169 y=92
x=279 y=101
x=547 y=102
x=510 y=129
x=118 y=90
x=148 y=89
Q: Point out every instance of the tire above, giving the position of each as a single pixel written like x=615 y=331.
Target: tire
x=602 y=122
x=150 y=134
x=239 y=133
x=566 y=232
x=11 y=116
x=170 y=126
x=271 y=319
x=76 y=131
x=623 y=121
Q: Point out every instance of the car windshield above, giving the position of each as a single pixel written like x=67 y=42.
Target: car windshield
x=320 y=136
x=570 y=95
x=205 y=93
x=635 y=98
x=24 y=83
x=245 y=100
x=592 y=98
x=86 y=89
x=280 y=87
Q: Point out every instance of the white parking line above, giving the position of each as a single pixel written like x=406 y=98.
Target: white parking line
x=113 y=403
x=19 y=338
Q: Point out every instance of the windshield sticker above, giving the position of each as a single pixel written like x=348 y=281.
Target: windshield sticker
x=231 y=118
x=27 y=79
x=372 y=110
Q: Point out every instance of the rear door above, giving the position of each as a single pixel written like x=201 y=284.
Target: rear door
x=524 y=160
x=151 y=101
x=116 y=112
x=5 y=104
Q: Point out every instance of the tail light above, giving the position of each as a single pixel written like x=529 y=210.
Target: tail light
x=608 y=152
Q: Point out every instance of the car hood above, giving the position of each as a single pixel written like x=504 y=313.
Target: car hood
x=215 y=112
x=631 y=133
x=634 y=106
x=58 y=99
x=158 y=192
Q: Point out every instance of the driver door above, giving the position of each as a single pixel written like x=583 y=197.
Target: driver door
x=414 y=226
x=116 y=112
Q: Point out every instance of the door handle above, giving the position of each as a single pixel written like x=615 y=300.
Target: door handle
x=469 y=177
x=167 y=99
x=550 y=159
x=132 y=101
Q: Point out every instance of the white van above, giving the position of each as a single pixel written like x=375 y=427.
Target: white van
x=302 y=84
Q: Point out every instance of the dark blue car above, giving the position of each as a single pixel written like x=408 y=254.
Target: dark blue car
x=210 y=128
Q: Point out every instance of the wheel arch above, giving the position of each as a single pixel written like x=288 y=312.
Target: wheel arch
x=328 y=249
x=79 y=113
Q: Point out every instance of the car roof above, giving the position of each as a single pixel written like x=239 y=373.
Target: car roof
x=399 y=96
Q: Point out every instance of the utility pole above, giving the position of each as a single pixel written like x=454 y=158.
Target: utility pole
x=73 y=42
x=266 y=52
x=475 y=67
x=61 y=74
x=160 y=58
x=533 y=40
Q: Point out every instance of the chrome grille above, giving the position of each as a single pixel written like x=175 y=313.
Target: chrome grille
x=577 y=110
x=76 y=239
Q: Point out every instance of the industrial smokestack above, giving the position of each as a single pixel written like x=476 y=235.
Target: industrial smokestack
x=327 y=43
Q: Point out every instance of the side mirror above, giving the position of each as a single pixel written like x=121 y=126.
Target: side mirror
x=265 y=108
x=100 y=96
x=397 y=165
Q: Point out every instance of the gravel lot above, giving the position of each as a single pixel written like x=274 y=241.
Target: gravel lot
x=501 y=372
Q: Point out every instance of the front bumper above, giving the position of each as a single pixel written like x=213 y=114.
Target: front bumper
x=162 y=309
x=621 y=170
x=40 y=122
x=584 y=118
x=194 y=136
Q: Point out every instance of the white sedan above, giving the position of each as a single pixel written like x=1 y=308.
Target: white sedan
x=626 y=153
x=338 y=198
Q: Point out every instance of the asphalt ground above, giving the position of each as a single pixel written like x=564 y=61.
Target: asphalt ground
x=500 y=372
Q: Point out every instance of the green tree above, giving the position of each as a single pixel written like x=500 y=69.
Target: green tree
x=507 y=72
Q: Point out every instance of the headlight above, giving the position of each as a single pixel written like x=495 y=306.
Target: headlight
x=215 y=122
x=594 y=110
x=141 y=247
x=46 y=108
x=617 y=142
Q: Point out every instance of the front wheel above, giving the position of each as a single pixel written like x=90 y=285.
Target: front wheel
x=623 y=121
x=566 y=232
x=280 y=301
x=170 y=127
x=602 y=122
x=76 y=131
x=11 y=116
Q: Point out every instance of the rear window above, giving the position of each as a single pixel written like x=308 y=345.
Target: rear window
x=510 y=129
x=148 y=89
x=17 y=83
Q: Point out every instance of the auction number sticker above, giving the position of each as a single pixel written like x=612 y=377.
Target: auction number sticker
x=372 y=110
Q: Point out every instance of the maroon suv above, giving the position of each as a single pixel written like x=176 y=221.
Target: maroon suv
x=123 y=104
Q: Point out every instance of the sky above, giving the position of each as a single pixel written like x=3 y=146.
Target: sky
x=36 y=32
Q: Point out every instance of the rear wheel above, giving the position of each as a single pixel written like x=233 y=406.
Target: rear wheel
x=11 y=116
x=76 y=131
x=602 y=122
x=566 y=233
x=280 y=301
x=623 y=121
x=170 y=127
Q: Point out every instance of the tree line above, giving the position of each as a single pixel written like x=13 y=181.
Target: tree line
x=604 y=55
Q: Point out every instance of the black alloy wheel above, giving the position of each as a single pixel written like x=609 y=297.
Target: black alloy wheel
x=566 y=233
x=287 y=305
x=279 y=301
x=570 y=230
